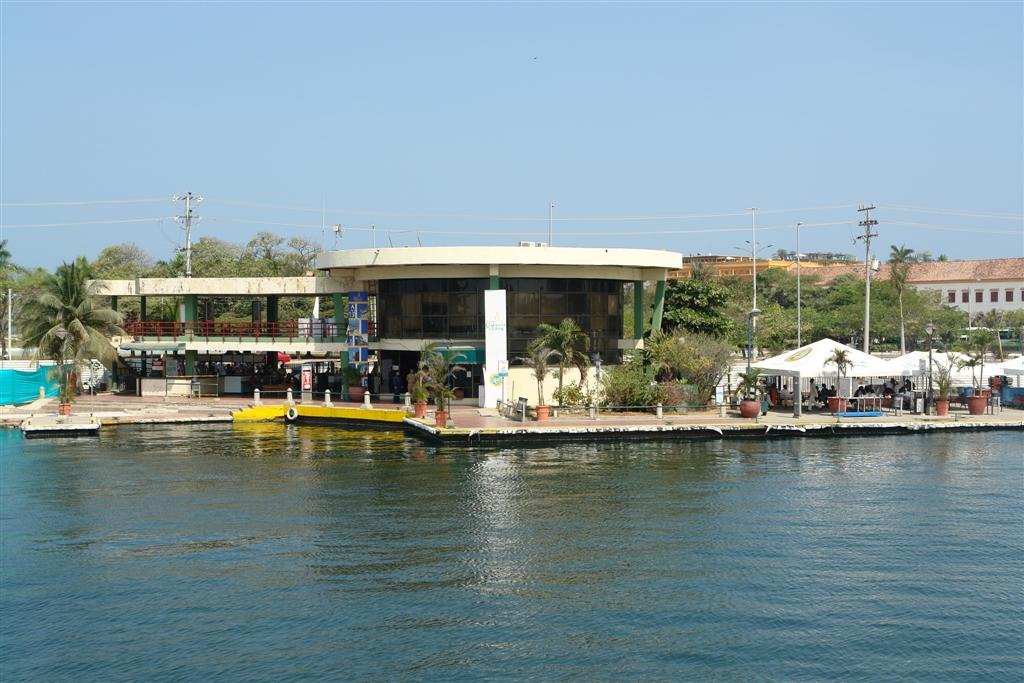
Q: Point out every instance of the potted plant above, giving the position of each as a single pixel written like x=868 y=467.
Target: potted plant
x=419 y=395
x=354 y=379
x=539 y=360
x=750 y=391
x=976 y=348
x=841 y=358
x=438 y=374
x=943 y=387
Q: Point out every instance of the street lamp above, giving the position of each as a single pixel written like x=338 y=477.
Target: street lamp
x=754 y=312
x=930 y=329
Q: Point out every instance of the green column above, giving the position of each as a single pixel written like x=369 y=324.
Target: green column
x=638 y=309
x=340 y=322
x=142 y=308
x=495 y=282
x=190 y=362
x=113 y=303
x=659 y=305
x=191 y=307
x=272 y=309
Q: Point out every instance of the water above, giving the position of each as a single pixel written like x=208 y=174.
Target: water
x=282 y=553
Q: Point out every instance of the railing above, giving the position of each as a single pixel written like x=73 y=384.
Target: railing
x=287 y=329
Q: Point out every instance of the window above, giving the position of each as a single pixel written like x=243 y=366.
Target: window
x=993 y=296
x=979 y=296
x=951 y=297
x=1009 y=295
x=963 y=296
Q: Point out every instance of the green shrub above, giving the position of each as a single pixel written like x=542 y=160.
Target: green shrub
x=630 y=385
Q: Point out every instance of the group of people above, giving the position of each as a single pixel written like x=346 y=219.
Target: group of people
x=820 y=393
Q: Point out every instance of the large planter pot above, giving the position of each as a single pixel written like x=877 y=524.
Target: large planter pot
x=976 y=405
x=749 y=408
x=941 y=407
x=419 y=409
x=440 y=418
x=836 y=404
x=543 y=413
x=459 y=393
x=356 y=393
x=64 y=409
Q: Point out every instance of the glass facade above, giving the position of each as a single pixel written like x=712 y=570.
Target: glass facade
x=454 y=309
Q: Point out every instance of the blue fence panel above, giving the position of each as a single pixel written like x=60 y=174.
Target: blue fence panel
x=22 y=386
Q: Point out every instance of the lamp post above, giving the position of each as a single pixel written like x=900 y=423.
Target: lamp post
x=754 y=312
x=930 y=329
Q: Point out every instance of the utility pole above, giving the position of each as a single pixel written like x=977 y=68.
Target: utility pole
x=753 y=251
x=867 y=224
x=551 y=214
x=798 y=337
x=186 y=220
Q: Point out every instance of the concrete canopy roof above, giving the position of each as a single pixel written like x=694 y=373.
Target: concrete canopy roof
x=531 y=261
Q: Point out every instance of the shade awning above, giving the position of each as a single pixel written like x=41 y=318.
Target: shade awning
x=812 y=360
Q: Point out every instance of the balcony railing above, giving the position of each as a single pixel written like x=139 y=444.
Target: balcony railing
x=285 y=329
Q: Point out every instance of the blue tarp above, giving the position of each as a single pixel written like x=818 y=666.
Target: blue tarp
x=22 y=386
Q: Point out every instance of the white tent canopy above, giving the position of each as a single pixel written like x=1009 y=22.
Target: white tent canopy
x=916 y=363
x=1014 y=367
x=812 y=361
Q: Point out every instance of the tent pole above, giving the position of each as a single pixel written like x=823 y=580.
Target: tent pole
x=798 y=397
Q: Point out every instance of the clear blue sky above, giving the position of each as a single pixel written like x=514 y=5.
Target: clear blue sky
x=460 y=122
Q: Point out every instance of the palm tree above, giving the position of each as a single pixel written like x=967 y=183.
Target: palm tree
x=62 y=322
x=569 y=342
x=538 y=359
x=900 y=259
x=841 y=358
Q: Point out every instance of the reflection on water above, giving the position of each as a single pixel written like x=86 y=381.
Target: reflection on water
x=268 y=551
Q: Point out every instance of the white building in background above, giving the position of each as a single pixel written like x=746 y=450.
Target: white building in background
x=973 y=286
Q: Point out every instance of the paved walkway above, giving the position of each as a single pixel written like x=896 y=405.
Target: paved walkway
x=116 y=408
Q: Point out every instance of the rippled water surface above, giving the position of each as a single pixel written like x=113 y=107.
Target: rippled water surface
x=281 y=553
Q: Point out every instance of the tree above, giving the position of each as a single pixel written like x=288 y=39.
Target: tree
x=900 y=259
x=841 y=358
x=569 y=342
x=63 y=323
x=122 y=262
x=698 y=359
x=697 y=305
x=993 y=320
x=538 y=359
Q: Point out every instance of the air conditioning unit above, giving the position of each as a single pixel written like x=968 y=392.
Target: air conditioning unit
x=527 y=244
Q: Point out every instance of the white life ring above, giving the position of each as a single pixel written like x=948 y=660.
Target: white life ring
x=291 y=414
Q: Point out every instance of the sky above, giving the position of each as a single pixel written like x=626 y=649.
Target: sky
x=652 y=125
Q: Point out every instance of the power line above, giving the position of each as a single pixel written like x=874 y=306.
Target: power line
x=6 y=226
x=953 y=212
x=83 y=203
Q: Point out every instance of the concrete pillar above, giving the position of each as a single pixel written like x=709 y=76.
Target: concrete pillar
x=327 y=398
x=659 y=411
x=659 y=305
x=191 y=308
x=638 y=309
x=289 y=398
x=256 y=397
x=339 y=314
x=272 y=305
x=366 y=399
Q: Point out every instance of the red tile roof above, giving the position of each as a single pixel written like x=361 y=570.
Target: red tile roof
x=996 y=269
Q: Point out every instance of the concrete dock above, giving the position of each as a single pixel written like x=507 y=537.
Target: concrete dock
x=473 y=425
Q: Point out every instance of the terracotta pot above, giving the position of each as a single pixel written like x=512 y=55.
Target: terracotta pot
x=419 y=409
x=749 y=407
x=355 y=394
x=836 y=404
x=941 y=407
x=440 y=418
x=64 y=409
x=543 y=413
x=459 y=394
x=976 y=404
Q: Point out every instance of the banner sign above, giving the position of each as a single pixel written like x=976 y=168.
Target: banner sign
x=496 y=343
x=357 y=331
